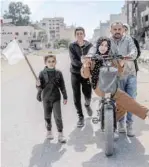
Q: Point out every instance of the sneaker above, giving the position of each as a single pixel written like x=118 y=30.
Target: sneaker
x=61 y=138
x=80 y=123
x=116 y=136
x=89 y=110
x=121 y=127
x=130 y=132
x=49 y=135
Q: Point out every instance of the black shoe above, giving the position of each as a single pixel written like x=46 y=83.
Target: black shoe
x=89 y=110
x=80 y=123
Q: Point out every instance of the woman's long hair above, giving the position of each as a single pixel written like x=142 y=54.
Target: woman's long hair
x=95 y=72
x=99 y=42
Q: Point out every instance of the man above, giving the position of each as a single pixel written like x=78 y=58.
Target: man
x=127 y=32
x=124 y=45
x=78 y=49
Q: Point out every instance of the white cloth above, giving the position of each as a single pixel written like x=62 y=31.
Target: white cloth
x=13 y=52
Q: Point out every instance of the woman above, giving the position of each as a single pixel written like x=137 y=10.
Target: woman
x=124 y=102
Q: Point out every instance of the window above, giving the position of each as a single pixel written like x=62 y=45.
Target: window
x=25 y=33
x=43 y=24
x=34 y=35
x=16 y=33
x=57 y=28
x=20 y=41
x=146 y=18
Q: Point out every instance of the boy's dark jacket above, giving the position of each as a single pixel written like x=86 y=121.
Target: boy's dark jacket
x=75 y=53
x=52 y=83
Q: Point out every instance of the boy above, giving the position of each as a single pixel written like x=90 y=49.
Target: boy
x=49 y=85
x=78 y=49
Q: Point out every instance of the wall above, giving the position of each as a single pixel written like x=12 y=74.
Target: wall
x=8 y=33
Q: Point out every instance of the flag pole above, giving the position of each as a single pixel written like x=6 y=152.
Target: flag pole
x=29 y=64
x=31 y=68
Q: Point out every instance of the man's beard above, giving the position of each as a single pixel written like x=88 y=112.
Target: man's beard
x=117 y=36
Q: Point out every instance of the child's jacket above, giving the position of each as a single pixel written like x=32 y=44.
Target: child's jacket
x=52 y=83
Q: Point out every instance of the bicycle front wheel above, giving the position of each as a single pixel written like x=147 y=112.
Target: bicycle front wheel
x=109 y=129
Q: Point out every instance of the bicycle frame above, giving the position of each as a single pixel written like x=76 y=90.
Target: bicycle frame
x=100 y=112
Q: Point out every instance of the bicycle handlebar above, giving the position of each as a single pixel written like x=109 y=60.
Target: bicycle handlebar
x=109 y=57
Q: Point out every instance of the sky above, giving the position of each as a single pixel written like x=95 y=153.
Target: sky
x=87 y=14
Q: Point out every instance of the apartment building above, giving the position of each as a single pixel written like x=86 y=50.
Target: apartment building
x=26 y=35
x=52 y=27
x=22 y=33
x=138 y=19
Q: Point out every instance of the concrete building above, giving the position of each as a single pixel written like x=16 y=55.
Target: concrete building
x=24 y=34
x=137 y=18
x=67 y=33
x=39 y=38
x=122 y=17
x=52 y=27
x=145 y=25
x=96 y=34
x=105 y=29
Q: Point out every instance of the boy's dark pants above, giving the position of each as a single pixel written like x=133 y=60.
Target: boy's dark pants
x=77 y=80
x=56 y=107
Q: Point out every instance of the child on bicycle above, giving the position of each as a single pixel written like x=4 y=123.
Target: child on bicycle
x=91 y=69
x=49 y=85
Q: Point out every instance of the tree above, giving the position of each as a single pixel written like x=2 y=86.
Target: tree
x=64 y=42
x=19 y=13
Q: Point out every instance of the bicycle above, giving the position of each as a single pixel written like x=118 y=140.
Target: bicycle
x=106 y=113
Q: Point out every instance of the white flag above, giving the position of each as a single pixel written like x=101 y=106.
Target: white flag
x=13 y=53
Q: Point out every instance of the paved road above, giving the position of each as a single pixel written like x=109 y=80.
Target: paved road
x=23 y=130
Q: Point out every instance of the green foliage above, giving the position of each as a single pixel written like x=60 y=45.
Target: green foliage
x=19 y=13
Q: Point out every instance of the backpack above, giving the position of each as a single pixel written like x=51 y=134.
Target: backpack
x=138 y=55
x=138 y=47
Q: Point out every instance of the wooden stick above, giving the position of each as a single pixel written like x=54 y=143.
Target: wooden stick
x=31 y=68
x=29 y=64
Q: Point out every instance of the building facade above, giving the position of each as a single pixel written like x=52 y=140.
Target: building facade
x=67 y=33
x=23 y=34
x=145 y=26
x=138 y=19
x=96 y=34
x=52 y=27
